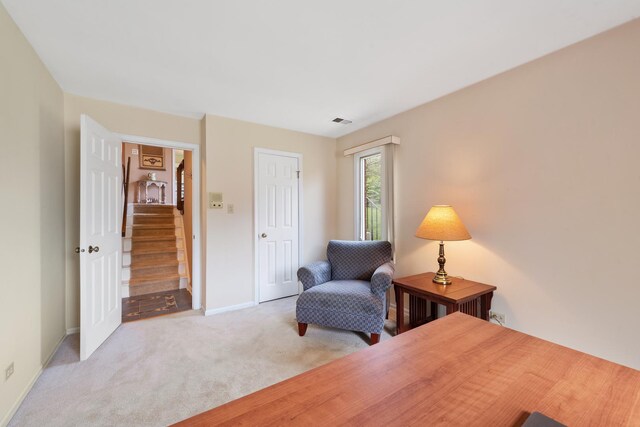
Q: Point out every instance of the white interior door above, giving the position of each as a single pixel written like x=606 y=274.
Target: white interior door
x=100 y=234
x=277 y=184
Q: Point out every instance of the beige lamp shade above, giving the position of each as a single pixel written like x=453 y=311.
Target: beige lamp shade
x=442 y=223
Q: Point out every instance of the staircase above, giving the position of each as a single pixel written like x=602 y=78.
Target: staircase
x=154 y=257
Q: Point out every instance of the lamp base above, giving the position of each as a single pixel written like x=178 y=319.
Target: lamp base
x=441 y=278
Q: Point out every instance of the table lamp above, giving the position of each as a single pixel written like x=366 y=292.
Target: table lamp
x=442 y=223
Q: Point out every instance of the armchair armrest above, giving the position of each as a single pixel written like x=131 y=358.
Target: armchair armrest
x=381 y=279
x=314 y=274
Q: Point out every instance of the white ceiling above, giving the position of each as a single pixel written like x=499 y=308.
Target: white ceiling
x=297 y=64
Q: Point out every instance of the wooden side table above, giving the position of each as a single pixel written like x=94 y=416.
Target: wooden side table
x=469 y=297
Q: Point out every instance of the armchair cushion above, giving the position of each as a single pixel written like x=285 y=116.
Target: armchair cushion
x=343 y=295
x=345 y=304
x=356 y=260
x=314 y=274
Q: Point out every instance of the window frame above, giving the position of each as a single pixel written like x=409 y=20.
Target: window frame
x=359 y=226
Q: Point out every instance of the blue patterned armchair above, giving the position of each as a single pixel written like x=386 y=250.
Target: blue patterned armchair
x=349 y=290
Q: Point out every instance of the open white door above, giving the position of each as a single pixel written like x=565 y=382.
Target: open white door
x=100 y=234
x=277 y=185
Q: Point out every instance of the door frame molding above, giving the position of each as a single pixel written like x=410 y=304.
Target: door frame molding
x=197 y=289
x=256 y=152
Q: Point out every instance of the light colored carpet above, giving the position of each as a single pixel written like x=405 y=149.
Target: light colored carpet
x=162 y=370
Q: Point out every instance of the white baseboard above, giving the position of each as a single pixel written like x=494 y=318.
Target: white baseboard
x=72 y=331
x=211 y=311
x=23 y=395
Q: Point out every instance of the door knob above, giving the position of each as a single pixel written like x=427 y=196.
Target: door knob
x=93 y=249
x=78 y=250
x=263 y=235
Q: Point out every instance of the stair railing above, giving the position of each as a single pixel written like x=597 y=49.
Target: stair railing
x=180 y=187
x=125 y=187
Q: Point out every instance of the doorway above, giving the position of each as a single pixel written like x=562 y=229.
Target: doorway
x=277 y=199
x=192 y=152
x=101 y=241
x=156 y=257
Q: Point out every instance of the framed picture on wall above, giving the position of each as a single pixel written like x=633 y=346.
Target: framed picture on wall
x=152 y=157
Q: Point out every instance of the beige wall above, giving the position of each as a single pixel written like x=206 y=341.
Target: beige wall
x=31 y=215
x=541 y=163
x=229 y=240
x=137 y=174
x=117 y=118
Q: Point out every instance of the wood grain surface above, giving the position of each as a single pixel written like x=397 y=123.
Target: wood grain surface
x=459 y=290
x=457 y=370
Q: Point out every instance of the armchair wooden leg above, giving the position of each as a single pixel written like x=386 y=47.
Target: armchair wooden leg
x=375 y=339
x=302 y=329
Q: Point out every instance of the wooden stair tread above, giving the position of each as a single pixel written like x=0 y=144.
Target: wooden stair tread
x=152 y=288
x=154 y=250
x=153 y=211
x=154 y=263
x=154 y=207
x=160 y=238
x=153 y=226
x=155 y=278
x=138 y=265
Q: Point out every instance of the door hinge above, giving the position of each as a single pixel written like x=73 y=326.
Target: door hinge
x=298 y=173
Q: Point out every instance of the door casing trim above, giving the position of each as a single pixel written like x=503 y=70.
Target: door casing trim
x=196 y=261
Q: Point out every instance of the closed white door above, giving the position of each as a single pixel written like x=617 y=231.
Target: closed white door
x=277 y=183
x=100 y=234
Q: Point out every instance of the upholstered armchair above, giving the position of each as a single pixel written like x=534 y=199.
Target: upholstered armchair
x=349 y=289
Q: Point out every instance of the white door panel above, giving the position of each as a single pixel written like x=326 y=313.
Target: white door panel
x=100 y=227
x=277 y=187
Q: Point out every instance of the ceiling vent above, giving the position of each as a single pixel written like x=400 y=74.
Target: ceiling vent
x=343 y=121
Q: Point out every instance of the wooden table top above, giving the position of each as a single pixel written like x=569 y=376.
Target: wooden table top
x=459 y=290
x=458 y=370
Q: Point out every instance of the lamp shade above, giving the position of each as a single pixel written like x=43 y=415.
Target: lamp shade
x=442 y=223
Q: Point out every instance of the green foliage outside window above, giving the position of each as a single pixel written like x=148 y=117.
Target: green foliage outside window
x=373 y=197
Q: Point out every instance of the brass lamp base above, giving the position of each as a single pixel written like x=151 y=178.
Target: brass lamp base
x=441 y=277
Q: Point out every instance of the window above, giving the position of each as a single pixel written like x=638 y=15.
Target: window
x=371 y=194
x=373 y=188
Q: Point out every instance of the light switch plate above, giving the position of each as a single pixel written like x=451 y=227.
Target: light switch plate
x=215 y=201
x=134 y=151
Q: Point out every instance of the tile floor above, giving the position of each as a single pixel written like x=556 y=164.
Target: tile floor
x=156 y=304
